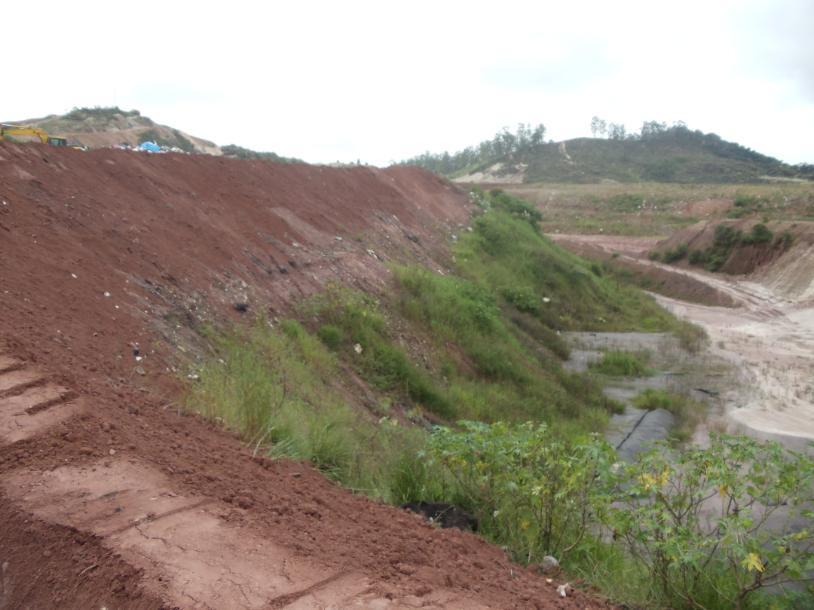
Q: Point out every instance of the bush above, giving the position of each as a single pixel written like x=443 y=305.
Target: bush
x=696 y=520
x=760 y=234
x=784 y=240
x=698 y=257
x=529 y=488
x=676 y=254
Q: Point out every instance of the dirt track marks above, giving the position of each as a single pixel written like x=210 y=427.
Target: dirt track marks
x=28 y=403
x=192 y=549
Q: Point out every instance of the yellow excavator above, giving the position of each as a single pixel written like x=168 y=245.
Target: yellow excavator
x=14 y=131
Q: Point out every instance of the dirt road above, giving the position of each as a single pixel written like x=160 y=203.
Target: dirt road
x=768 y=338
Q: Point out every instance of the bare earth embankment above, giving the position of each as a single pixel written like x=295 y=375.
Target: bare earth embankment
x=111 y=264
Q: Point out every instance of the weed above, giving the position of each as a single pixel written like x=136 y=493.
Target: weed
x=622 y=364
x=688 y=413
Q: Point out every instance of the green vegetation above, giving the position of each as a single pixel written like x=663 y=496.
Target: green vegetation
x=513 y=259
x=97 y=113
x=352 y=323
x=695 y=522
x=656 y=153
x=233 y=150
x=527 y=140
x=656 y=209
x=616 y=363
x=675 y=254
x=688 y=413
x=539 y=495
x=273 y=386
x=482 y=346
x=726 y=241
x=530 y=489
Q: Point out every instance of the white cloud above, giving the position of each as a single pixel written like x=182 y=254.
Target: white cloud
x=381 y=81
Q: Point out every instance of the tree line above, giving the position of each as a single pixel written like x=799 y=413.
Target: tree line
x=505 y=144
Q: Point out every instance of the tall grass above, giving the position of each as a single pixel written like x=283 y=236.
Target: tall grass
x=618 y=363
x=274 y=387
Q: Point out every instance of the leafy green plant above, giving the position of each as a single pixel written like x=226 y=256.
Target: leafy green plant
x=698 y=520
x=530 y=489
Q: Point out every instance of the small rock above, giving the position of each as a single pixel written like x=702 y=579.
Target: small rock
x=140 y=370
x=46 y=553
x=549 y=564
x=85 y=450
x=244 y=501
x=241 y=307
x=107 y=294
x=112 y=452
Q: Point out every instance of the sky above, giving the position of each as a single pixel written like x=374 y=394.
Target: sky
x=381 y=81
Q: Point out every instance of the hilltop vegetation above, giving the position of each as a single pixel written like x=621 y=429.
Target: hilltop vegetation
x=233 y=150
x=656 y=153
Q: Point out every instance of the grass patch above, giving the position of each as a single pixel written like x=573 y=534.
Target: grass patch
x=618 y=363
x=688 y=413
x=273 y=387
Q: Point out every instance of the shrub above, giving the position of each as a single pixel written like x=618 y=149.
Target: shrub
x=529 y=488
x=784 y=240
x=760 y=234
x=696 y=520
x=698 y=257
x=676 y=254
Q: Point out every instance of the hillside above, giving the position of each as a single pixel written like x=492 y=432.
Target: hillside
x=144 y=290
x=107 y=127
x=658 y=154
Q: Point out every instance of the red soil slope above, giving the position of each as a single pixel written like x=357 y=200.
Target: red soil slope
x=109 y=496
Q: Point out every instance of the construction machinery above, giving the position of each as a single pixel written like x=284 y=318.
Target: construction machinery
x=14 y=131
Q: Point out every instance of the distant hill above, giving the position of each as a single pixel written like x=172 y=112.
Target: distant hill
x=659 y=154
x=112 y=126
x=105 y=127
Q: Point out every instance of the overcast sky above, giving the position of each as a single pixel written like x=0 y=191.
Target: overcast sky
x=381 y=81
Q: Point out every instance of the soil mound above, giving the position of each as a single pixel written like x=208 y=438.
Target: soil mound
x=111 y=495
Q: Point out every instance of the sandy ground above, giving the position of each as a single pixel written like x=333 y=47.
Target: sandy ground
x=769 y=340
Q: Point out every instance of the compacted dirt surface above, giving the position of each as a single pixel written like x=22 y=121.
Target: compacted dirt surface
x=111 y=496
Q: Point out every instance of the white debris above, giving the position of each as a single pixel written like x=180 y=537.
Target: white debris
x=563 y=590
x=546 y=300
x=107 y=294
x=357 y=348
x=73 y=275
x=338 y=238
